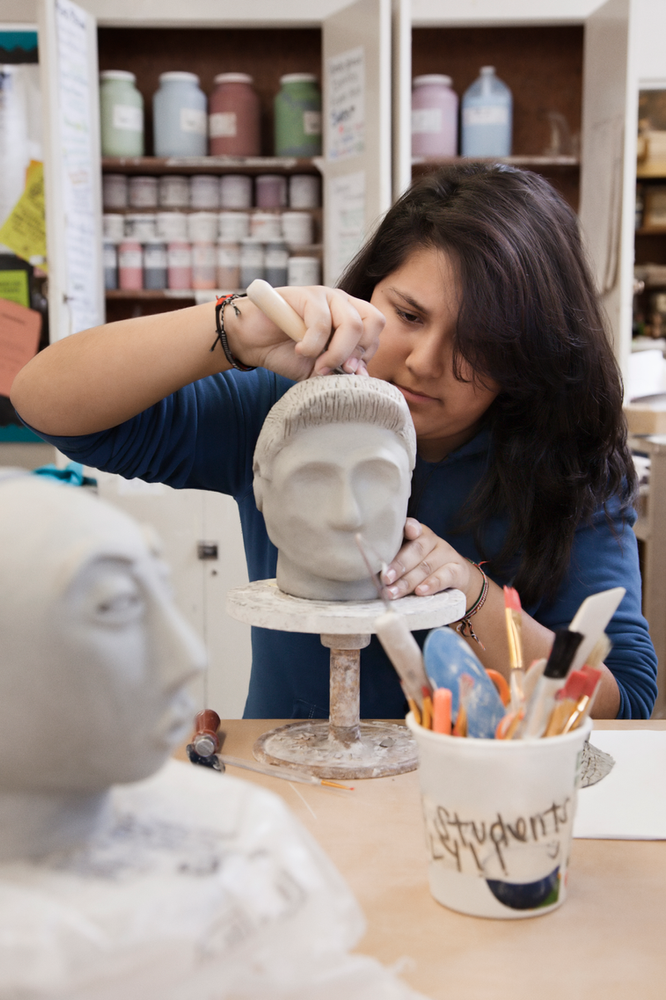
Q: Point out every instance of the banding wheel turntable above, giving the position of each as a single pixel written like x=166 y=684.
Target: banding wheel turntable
x=341 y=746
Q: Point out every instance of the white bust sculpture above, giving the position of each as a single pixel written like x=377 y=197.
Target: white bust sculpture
x=334 y=459
x=181 y=883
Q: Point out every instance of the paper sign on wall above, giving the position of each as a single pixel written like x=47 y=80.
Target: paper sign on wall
x=346 y=104
x=75 y=86
x=345 y=220
x=24 y=230
x=19 y=339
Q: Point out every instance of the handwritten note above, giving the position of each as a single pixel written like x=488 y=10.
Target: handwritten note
x=19 y=339
x=345 y=221
x=346 y=104
x=75 y=86
x=24 y=230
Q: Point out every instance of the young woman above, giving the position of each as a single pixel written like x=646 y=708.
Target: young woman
x=474 y=299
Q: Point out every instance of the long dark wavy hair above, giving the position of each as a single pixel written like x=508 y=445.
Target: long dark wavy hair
x=531 y=321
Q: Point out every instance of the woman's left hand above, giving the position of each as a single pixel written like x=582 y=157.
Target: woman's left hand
x=427 y=564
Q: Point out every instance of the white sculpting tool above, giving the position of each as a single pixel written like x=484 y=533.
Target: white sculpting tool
x=278 y=309
x=399 y=644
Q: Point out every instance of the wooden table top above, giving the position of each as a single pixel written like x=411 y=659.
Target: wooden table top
x=607 y=941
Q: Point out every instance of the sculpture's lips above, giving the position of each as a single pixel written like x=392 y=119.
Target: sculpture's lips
x=412 y=396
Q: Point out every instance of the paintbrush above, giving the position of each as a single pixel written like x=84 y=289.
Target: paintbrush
x=514 y=626
x=399 y=644
x=278 y=772
x=540 y=707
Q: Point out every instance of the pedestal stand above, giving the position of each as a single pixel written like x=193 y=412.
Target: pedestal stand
x=342 y=746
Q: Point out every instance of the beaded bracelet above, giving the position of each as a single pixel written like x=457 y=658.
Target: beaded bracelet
x=464 y=622
x=225 y=300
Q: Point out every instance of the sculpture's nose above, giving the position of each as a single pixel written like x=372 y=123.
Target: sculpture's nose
x=345 y=509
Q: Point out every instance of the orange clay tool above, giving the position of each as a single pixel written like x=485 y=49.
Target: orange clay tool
x=507 y=726
x=441 y=711
x=501 y=685
x=566 y=703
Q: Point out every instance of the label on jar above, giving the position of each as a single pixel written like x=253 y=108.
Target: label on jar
x=127 y=117
x=426 y=120
x=193 y=120
x=222 y=124
x=312 y=123
x=276 y=258
x=228 y=254
x=130 y=259
x=155 y=257
x=203 y=255
x=180 y=257
x=497 y=115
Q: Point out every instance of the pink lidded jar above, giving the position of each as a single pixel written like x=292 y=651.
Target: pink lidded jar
x=234 y=116
x=204 y=265
x=130 y=266
x=179 y=264
x=434 y=116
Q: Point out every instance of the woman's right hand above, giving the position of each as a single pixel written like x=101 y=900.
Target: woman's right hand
x=341 y=331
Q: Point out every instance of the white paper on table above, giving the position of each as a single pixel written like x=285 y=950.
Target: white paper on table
x=630 y=802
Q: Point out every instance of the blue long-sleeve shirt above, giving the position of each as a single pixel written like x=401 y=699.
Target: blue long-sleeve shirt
x=203 y=437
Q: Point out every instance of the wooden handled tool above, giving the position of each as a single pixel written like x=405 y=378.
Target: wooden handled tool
x=276 y=308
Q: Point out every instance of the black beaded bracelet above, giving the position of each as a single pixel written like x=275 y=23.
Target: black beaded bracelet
x=464 y=622
x=225 y=300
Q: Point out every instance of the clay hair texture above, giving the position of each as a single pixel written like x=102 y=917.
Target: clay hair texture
x=333 y=399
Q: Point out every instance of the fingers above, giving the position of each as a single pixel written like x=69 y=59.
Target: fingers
x=425 y=564
x=342 y=331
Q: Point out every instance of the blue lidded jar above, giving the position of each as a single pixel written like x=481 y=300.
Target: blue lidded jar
x=180 y=116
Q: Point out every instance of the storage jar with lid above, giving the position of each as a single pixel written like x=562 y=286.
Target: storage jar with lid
x=434 y=116
x=228 y=265
x=171 y=226
x=276 y=263
x=179 y=116
x=298 y=116
x=174 y=191
x=251 y=261
x=121 y=114
x=304 y=191
x=204 y=265
x=298 y=228
x=205 y=191
x=140 y=227
x=110 y=257
x=234 y=116
x=179 y=265
x=113 y=227
x=271 y=190
x=142 y=192
x=486 y=118
x=235 y=191
x=303 y=271
x=265 y=226
x=234 y=226
x=155 y=265
x=114 y=191
x=130 y=265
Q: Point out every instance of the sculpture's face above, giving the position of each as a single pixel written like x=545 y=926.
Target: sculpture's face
x=95 y=670
x=328 y=484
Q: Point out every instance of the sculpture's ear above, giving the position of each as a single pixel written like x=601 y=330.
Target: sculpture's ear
x=258 y=487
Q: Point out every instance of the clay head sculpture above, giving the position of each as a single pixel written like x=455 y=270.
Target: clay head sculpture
x=94 y=661
x=333 y=459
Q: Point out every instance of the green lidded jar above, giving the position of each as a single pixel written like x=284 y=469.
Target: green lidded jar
x=121 y=114
x=298 y=116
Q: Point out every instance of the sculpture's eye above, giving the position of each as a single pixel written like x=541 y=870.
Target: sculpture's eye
x=117 y=600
